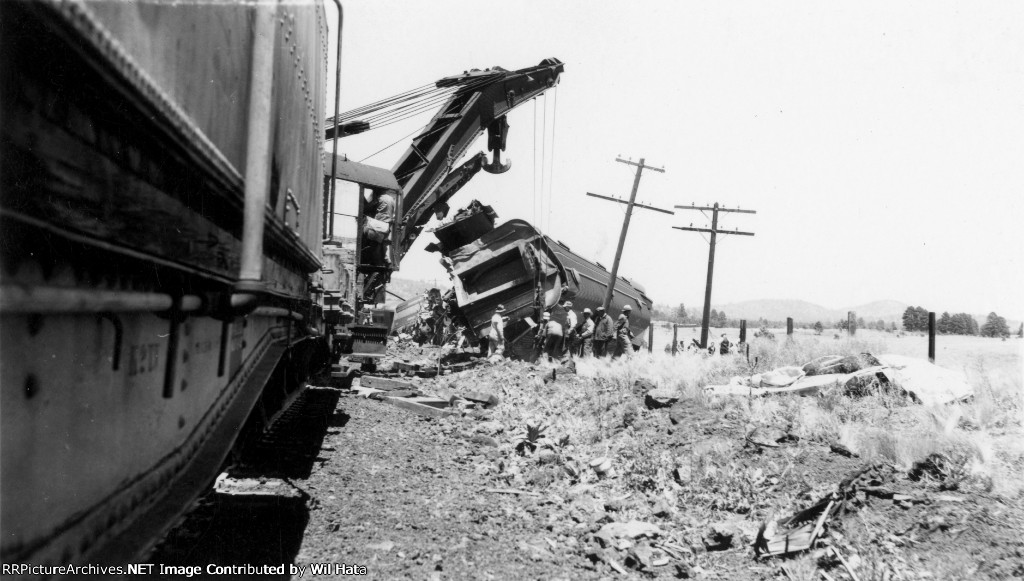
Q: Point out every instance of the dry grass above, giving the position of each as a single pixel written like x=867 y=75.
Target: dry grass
x=602 y=416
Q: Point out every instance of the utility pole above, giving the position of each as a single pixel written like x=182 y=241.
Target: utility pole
x=640 y=167
x=714 y=231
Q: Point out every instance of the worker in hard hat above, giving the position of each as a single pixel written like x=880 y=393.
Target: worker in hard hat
x=623 y=334
x=552 y=333
x=587 y=334
x=603 y=332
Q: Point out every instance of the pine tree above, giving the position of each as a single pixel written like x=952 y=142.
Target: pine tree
x=1020 y=332
x=995 y=326
x=818 y=328
x=681 y=315
x=909 y=319
x=945 y=324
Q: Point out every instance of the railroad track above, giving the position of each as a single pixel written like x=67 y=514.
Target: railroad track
x=255 y=514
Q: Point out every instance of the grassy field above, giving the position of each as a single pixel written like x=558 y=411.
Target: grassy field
x=696 y=456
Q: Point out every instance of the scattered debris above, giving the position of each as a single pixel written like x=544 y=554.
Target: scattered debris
x=603 y=467
x=612 y=534
x=769 y=437
x=797 y=533
x=660 y=398
x=800 y=531
x=419 y=408
x=926 y=382
x=843 y=450
x=721 y=536
x=511 y=491
x=487 y=400
x=780 y=377
x=385 y=384
x=923 y=381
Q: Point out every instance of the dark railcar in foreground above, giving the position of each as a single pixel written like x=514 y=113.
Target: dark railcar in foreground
x=160 y=219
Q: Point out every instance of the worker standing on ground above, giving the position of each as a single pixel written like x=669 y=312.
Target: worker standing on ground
x=497 y=334
x=552 y=336
x=724 y=345
x=587 y=334
x=623 y=334
x=603 y=333
x=570 y=329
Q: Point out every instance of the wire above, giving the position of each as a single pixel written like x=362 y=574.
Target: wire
x=551 y=171
x=543 y=160
x=534 y=160
x=390 y=146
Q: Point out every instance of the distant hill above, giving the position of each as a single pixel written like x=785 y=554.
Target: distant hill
x=806 y=312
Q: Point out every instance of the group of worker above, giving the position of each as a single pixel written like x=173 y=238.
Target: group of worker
x=596 y=335
x=724 y=347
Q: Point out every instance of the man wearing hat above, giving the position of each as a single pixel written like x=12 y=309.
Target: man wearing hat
x=496 y=338
x=587 y=336
x=570 y=329
x=551 y=331
x=622 y=333
x=603 y=333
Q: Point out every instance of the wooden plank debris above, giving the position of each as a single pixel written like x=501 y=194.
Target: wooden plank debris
x=385 y=383
x=418 y=408
x=511 y=491
x=488 y=400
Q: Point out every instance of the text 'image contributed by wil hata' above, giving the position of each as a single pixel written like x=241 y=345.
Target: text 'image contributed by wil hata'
x=312 y=569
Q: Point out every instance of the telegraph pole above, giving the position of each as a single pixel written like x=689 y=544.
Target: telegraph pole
x=640 y=167
x=714 y=231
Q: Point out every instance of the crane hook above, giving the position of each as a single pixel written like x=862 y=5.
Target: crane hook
x=496 y=166
x=497 y=133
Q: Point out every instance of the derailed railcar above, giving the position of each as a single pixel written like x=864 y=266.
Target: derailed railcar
x=517 y=266
x=160 y=214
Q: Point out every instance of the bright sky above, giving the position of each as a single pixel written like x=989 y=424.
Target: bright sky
x=881 y=143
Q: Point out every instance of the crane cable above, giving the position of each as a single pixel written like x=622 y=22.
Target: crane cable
x=534 y=160
x=543 y=158
x=551 y=171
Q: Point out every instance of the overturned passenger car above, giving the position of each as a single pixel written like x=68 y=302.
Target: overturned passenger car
x=517 y=266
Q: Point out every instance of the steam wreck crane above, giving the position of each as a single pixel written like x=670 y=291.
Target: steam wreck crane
x=481 y=102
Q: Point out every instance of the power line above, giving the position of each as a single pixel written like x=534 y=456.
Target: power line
x=640 y=167
x=714 y=231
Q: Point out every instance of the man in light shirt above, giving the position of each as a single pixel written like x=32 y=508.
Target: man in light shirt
x=496 y=338
x=570 y=329
x=587 y=336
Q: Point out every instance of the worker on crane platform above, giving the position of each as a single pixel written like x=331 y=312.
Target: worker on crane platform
x=378 y=213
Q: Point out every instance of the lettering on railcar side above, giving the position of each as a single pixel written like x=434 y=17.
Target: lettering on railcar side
x=143 y=358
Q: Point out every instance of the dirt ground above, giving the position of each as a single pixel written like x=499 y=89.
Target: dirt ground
x=463 y=497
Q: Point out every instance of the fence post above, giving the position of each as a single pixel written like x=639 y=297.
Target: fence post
x=931 y=337
x=675 y=339
x=789 y=327
x=743 y=330
x=650 y=338
x=850 y=322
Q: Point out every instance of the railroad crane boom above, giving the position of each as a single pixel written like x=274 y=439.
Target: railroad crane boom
x=481 y=102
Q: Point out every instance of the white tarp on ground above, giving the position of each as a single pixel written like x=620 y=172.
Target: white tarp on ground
x=780 y=377
x=925 y=381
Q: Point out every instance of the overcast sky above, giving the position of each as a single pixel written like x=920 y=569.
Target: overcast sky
x=882 y=144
